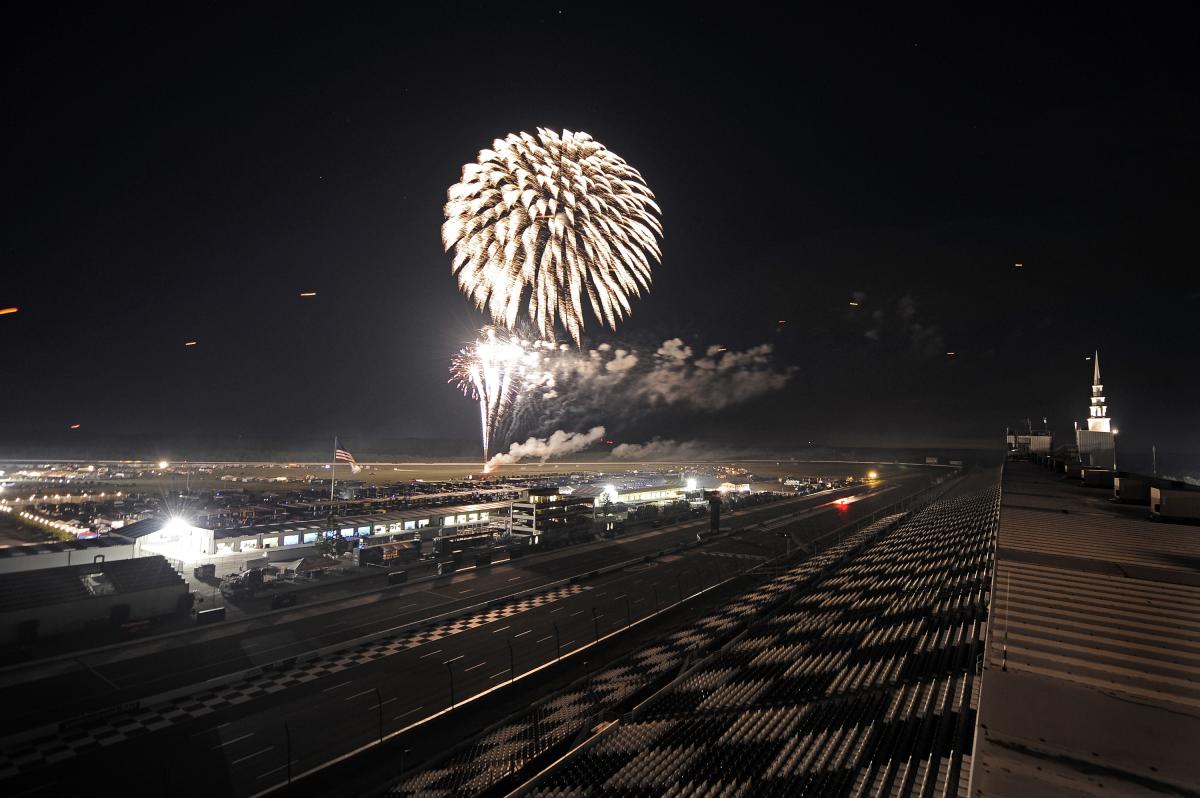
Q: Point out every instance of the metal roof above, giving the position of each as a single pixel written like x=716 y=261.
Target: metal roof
x=1095 y=641
x=344 y=521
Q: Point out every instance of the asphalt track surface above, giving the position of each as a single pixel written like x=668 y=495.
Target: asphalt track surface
x=243 y=750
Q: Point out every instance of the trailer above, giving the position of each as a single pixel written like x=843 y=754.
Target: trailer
x=1167 y=504
x=1130 y=489
x=1097 y=478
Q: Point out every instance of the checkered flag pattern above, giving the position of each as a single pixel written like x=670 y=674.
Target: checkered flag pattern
x=123 y=726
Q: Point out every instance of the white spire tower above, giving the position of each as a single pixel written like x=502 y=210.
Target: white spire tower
x=1097 y=445
x=1098 y=412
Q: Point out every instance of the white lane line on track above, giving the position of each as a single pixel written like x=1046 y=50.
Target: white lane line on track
x=556 y=609
x=623 y=595
x=468 y=590
x=498 y=675
x=473 y=667
x=213 y=729
x=515 y=578
x=275 y=770
x=580 y=612
x=635 y=601
x=251 y=756
x=336 y=686
x=430 y=654
x=501 y=629
x=356 y=695
x=375 y=707
x=406 y=714
x=522 y=634
x=454 y=659
x=547 y=637
x=568 y=643
x=231 y=742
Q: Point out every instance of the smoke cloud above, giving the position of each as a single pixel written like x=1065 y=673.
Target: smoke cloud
x=923 y=340
x=556 y=445
x=594 y=385
x=558 y=387
x=719 y=379
x=659 y=449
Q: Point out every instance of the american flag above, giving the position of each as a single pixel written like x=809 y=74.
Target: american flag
x=340 y=455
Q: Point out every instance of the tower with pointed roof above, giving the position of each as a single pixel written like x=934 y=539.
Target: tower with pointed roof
x=1097 y=444
x=1098 y=412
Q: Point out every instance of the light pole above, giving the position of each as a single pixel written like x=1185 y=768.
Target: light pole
x=379 y=706
x=287 y=738
x=512 y=667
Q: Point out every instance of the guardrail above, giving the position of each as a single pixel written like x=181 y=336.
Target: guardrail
x=913 y=504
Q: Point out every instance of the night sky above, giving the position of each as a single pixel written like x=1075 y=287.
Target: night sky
x=185 y=177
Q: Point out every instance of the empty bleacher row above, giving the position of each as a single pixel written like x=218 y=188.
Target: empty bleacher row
x=30 y=589
x=20 y=590
x=864 y=684
x=503 y=752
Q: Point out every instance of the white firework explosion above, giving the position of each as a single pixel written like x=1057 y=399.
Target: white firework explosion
x=494 y=371
x=552 y=218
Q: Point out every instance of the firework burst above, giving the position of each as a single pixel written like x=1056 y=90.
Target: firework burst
x=494 y=371
x=552 y=218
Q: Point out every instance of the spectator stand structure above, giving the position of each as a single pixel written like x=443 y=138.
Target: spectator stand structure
x=854 y=667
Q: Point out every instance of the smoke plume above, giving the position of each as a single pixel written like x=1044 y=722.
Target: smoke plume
x=556 y=445
x=571 y=388
x=660 y=450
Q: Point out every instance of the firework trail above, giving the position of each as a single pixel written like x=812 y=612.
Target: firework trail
x=493 y=370
x=552 y=217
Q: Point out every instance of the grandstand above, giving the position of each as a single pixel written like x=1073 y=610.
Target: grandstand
x=853 y=672
x=53 y=601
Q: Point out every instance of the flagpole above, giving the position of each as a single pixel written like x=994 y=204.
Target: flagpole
x=332 y=475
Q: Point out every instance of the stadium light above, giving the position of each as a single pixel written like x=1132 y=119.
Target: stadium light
x=176 y=525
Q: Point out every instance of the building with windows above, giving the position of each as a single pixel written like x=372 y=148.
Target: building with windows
x=546 y=515
x=1097 y=444
x=188 y=544
x=611 y=494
